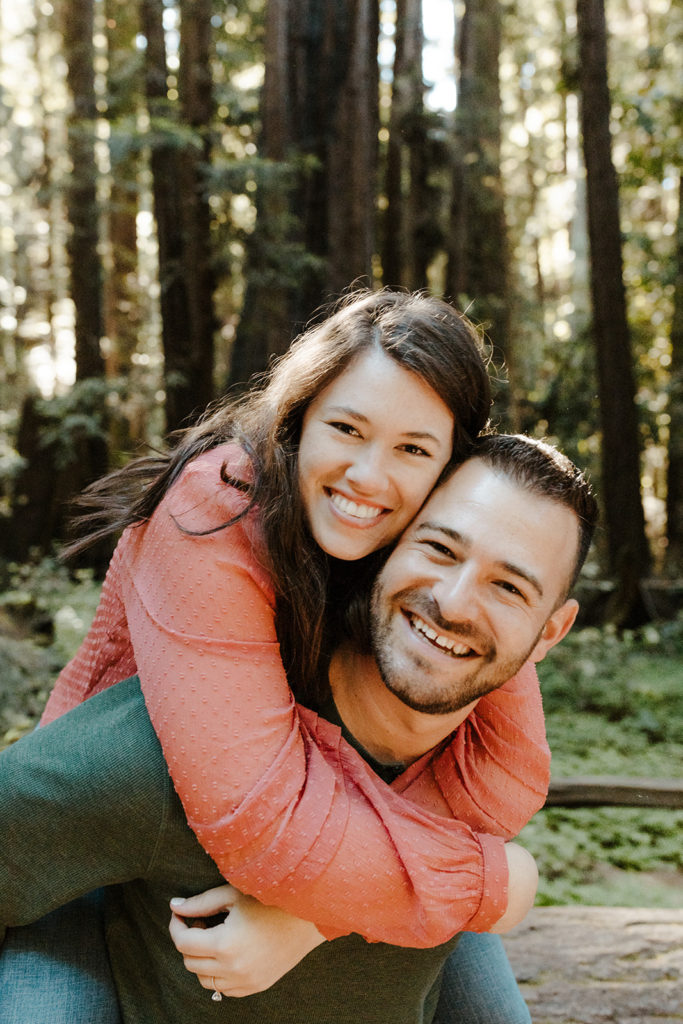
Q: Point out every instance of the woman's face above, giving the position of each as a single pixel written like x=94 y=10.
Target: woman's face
x=373 y=444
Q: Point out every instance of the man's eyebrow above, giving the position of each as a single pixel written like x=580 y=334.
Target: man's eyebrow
x=346 y=410
x=459 y=538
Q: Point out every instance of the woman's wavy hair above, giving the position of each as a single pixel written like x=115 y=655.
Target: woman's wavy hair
x=421 y=333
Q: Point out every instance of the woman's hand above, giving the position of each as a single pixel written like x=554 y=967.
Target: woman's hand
x=246 y=953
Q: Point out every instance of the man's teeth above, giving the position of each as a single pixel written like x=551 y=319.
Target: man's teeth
x=444 y=642
x=352 y=508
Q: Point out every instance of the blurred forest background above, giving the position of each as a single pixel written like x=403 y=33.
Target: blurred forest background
x=183 y=184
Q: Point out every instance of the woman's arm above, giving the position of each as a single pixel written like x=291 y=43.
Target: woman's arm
x=495 y=771
x=288 y=812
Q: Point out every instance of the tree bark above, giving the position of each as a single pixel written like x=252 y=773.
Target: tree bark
x=81 y=193
x=477 y=275
x=195 y=363
x=627 y=545
x=409 y=210
x=122 y=312
x=181 y=209
x=352 y=155
x=316 y=207
x=674 y=494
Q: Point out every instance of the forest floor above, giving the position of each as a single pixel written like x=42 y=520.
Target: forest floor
x=589 y=965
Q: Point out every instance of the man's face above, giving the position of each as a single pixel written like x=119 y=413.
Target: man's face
x=472 y=590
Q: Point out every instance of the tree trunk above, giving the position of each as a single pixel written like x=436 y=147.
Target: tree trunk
x=316 y=207
x=123 y=315
x=627 y=545
x=81 y=194
x=196 y=100
x=352 y=155
x=478 y=257
x=674 y=495
x=408 y=211
x=181 y=210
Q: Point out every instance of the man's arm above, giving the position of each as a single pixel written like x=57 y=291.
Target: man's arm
x=82 y=802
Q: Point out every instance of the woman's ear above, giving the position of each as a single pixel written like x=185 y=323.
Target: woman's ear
x=555 y=629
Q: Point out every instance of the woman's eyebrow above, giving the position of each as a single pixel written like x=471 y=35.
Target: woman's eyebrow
x=346 y=410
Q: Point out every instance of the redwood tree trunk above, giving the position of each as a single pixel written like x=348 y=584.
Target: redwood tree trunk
x=409 y=211
x=81 y=193
x=196 y=100
x=352 y=154
x=181 y=212
x=478 y=260
x=674 y=498
x=122 y=311
x=316 y=212
x=627 y=545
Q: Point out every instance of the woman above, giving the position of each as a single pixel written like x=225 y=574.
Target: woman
x=244 y=521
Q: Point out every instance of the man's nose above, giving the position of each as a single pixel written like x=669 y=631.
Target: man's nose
x=456 y=594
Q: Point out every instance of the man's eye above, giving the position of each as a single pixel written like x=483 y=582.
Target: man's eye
x=344 y=428
x=439 y=549
x=510 y=588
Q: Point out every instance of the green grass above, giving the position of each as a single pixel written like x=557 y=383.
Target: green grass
x=614 y=706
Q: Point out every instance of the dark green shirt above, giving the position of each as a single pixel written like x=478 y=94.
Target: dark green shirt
x=87 y=801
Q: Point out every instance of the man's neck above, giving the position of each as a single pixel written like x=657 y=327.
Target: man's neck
x=390 y=731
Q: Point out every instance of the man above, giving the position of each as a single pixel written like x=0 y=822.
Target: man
x=477 y=586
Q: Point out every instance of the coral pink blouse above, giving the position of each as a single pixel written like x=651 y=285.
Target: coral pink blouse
x=288 y=810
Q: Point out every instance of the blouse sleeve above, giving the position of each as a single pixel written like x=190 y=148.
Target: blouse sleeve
x=495 y=771
x=289 y=812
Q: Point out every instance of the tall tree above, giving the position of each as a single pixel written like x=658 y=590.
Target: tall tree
x=316 y=204
x=122 y=306
x=409 y=213
x=195 y=83
x=81 y=194
x=181 y=207
x=478 y=252
x=627 y=545
x=352 y=152
x=674 y=494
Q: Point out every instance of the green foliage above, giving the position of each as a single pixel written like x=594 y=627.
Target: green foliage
x=61 y=603
x=81 y=413
x=45 y=611
x=614 y=706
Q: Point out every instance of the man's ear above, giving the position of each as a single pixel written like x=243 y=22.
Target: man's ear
x=555 y=629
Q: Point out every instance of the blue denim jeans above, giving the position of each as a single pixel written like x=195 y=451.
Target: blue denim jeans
x=56 y=971
x=479 y=986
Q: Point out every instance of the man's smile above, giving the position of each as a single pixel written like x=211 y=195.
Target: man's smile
x=444 y=643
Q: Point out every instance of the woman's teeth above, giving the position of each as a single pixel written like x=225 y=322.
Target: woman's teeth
x=352 y=508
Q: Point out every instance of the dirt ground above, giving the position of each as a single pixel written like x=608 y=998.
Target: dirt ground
x=588 y=965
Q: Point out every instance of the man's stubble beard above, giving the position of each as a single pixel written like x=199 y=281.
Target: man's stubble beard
x=409 y=680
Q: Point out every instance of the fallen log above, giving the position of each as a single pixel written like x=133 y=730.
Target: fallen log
x=615 y=791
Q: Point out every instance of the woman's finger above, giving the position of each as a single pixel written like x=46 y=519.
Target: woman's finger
x=190 y=941
x=204 y=904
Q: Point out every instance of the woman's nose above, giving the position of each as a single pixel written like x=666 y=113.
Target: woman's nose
x=368 y=471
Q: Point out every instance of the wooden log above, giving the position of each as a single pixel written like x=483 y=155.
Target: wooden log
x=615 y=791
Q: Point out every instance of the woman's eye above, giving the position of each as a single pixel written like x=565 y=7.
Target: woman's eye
x=345 y=428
